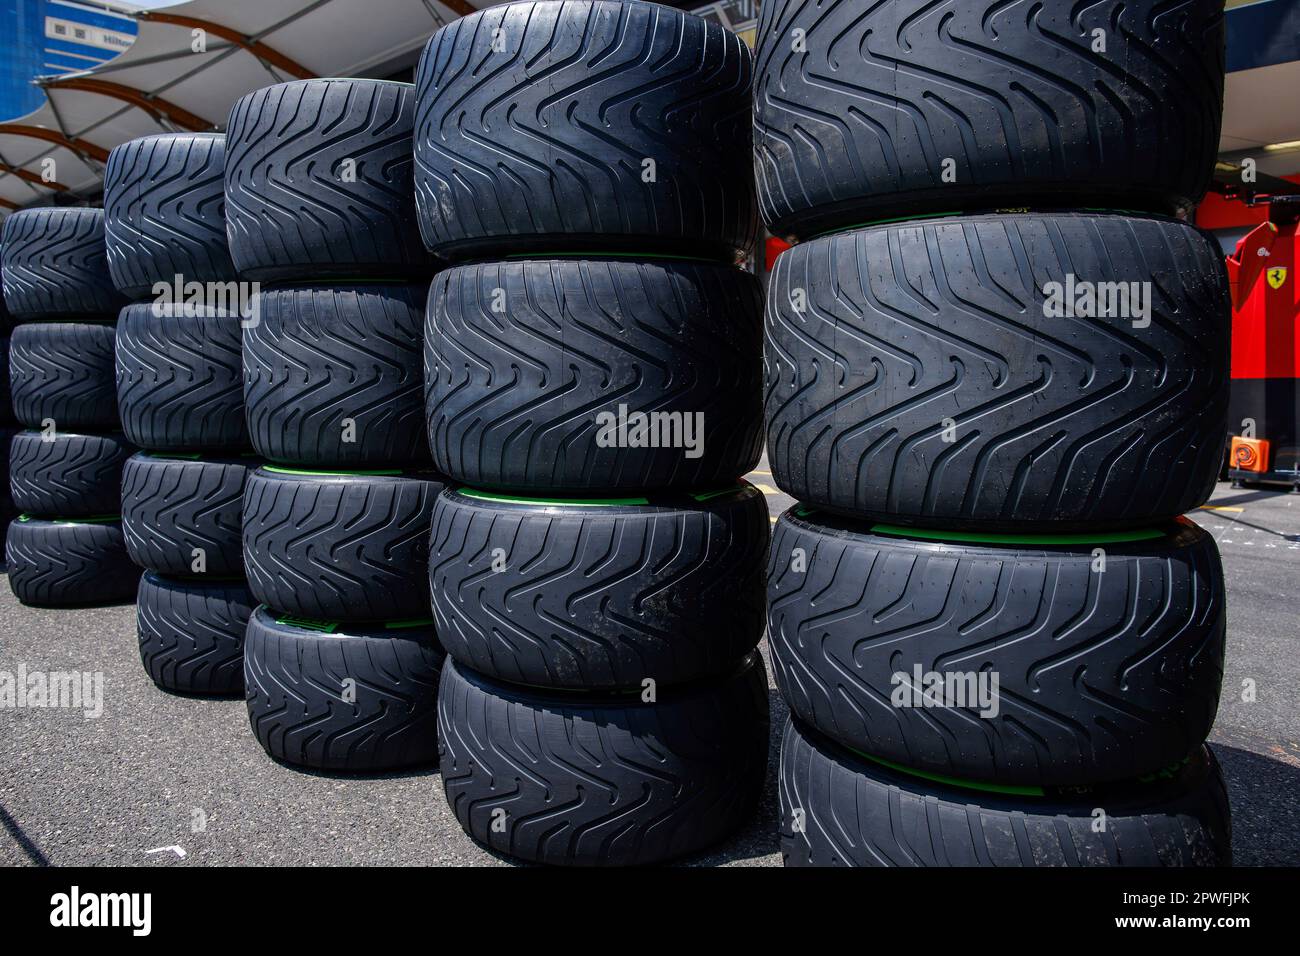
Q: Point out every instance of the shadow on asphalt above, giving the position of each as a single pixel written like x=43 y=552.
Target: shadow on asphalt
x=1244 y=496
x=421 y=770
x=30 y=849
x=1261 y=793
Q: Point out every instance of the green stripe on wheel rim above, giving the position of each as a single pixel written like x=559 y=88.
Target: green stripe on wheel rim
x=549 y=502
x=702 y=496
x=1007 y=789
x=978 y=537
x=308 y=623
x=377 y=473
x=405 y=625
x=94 y=519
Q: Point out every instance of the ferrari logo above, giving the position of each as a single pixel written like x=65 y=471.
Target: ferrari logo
x=1276 y=276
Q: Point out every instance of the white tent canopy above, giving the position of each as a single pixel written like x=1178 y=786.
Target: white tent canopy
x=174 y=78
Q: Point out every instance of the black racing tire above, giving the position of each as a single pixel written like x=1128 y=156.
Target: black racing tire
x=523 y=358
x=838 y=809
x=53 y=264
x=319 y=181
x=180 y=379
x=584 y=780
x=6 y=398
x=70 y=475
x=1107 y=649
x=73 y=563
x=63 y=371
x=340 y=546
x=923 y=381
x=191 y=633
x=164 y=212
x=296 y=675
x=182 y=515
x=543 y=146
x=859 y=113
x=7 y=510
x=328 y=363
x=599 y=595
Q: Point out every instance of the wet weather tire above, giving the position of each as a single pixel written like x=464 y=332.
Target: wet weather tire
x=64 y=371
x=182 y=515
x=333 y=375
x=1108 y=653
x=180 y=380
x=602 y=125
x=603 y=781
x=340 y=547
x=916 y=373
x=853 y=812
x=535 y=373
x=599 y=595
x=192 y=633
x=298 y=676
x=54 y=263
x=908 y=107
x=69 y=476
x=7 y=510
x=318 y=181
x=6 y=396
x=164 y=212
x=69 y=563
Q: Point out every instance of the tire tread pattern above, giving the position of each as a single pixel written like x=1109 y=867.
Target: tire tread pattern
x=69 y=564
x=599 y=597
x=1102 y=675
x=859 y=814
x=54 y=263
x=864 y=117
x=543 y=146
x=340 y=548
x=513 y=395
x=71 y=476
x=164 y=211
x=294 y=680
x=319 y=181
x=172 y=506
x=324 y=356
x=64 y=371
x=191 y=633
x=180 y=380
x=924 y=384
x=588 y=783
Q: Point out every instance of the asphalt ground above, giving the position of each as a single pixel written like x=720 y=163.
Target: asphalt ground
x=178 y=775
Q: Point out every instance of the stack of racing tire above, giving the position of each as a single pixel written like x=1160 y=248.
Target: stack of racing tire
x=180 y=395
x=1000 y=641
x=596 y=562
x=341 y=662
x=65 y=548
x=7 y=512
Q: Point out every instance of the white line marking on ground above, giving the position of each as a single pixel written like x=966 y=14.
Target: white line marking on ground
x=179 y=851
